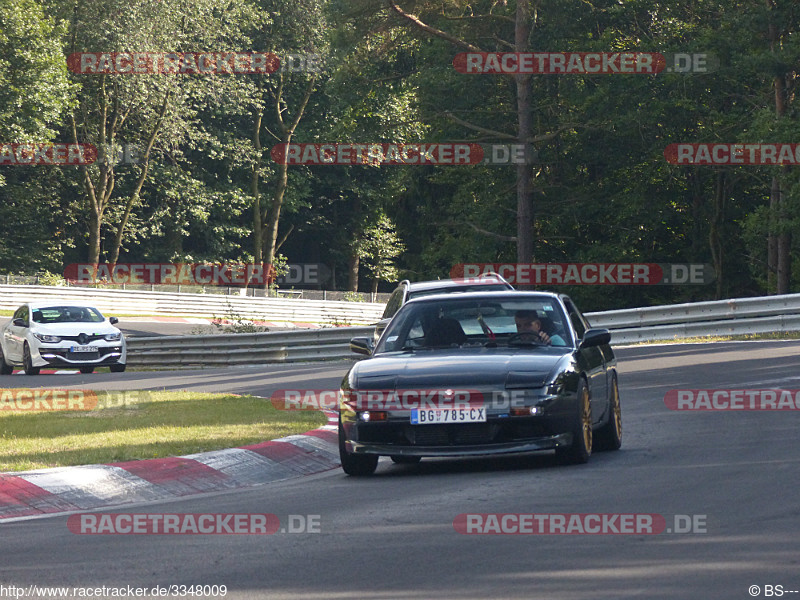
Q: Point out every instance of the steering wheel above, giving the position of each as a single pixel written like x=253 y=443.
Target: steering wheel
x=526 y=337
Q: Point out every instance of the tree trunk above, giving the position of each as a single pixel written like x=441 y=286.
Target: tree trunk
x=140 y=183
x=352 y=271
x=95 y=221
x=714 y=235
x=522 y=31
x=778 y=243
x=274 y=213
x=772 y=239
x=271 y=219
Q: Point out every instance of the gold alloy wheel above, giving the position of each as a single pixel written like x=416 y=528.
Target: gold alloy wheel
x=586 y=419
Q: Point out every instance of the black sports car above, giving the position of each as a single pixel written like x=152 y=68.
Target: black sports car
x=480 y=373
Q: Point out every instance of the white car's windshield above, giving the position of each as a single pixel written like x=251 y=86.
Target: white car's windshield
x=504 y=320
x=67 y=314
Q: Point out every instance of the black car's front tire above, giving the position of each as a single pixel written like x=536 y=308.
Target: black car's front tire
x=5 y=368
x=581 y=448
x=609 y=436
x=355 y=464
x=27 y=361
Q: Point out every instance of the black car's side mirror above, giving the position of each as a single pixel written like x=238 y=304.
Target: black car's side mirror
x=362 y=345
x=19 y=323
x=595 y=337
x=113 y=320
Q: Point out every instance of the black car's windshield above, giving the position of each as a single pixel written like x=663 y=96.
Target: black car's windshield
x=481 y=321
x=67 y=314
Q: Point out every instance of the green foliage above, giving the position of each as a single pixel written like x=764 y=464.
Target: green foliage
x=603 y=191
x=233 y=322
x=379 y=248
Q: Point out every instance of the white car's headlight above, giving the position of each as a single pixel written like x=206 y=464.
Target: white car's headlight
x=112 y=337
x=49 y=339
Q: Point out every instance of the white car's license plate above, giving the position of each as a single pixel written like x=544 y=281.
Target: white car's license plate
x=434 y=416
x=83 y=349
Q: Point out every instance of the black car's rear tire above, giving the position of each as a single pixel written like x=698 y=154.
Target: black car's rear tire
x=357 y=465
x=86 y=370
x=5 y=368
x=27 y=361
x=405 y=460
x=581 y=448
x=117 y=368
x=609 y=436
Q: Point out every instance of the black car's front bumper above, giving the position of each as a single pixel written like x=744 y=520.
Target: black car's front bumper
x=498 y=435
x=545 y=443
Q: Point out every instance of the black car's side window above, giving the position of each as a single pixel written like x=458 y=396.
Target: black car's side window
x=394 y=303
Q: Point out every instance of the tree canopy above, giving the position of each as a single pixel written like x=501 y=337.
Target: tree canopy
x=596 y=185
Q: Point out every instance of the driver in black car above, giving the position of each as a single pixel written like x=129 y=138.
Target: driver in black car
x=529 y=326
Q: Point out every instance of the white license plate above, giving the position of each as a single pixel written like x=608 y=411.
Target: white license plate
x=434 y=416
x=83 y=349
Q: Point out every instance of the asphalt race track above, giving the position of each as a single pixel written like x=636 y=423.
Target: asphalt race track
x=392 y=535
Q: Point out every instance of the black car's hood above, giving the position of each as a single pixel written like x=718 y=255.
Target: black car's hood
x=478 y=368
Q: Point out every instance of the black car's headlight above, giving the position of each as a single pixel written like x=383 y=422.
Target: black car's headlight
x=524 y=403
x=112 y=337
x=48 y=339
x=554 y=389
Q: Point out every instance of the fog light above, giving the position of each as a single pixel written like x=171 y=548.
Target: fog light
x=526 y=411
x=373 y=415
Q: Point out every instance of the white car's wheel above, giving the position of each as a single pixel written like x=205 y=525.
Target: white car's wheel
x=27 y=362
x=5 y=368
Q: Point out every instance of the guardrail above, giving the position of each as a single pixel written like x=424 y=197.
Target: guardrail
x=235 y=290
x=243 y=348
x=130 y=302
x=736 y=316
x=725 y=317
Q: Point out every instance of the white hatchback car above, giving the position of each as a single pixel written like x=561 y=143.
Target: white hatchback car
x=60 y=335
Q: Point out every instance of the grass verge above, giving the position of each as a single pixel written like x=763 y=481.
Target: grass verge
x=140 y=425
